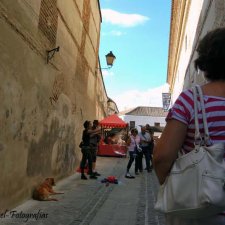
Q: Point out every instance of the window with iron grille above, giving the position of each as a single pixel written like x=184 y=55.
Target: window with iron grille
x=132 y=124
x=48 y=20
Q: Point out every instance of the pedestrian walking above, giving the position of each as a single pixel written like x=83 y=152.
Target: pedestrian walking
x=132 y=143
x=179 y=133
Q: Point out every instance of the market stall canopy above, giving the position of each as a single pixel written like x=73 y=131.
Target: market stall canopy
x=112 y=121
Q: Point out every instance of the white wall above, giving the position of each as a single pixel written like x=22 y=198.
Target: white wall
x=187 y=43
x=143 y=120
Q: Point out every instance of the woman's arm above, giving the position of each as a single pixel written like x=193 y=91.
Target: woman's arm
x=128 y=141
x=167 y=147
x=95 y=131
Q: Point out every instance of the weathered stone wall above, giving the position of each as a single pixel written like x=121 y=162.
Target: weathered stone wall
x=43 y=106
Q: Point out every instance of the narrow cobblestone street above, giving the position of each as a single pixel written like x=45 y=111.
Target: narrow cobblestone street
x=92 y=202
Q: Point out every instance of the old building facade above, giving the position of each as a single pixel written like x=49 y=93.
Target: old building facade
x=44 y=104
x=142 y=115
x=190 y=21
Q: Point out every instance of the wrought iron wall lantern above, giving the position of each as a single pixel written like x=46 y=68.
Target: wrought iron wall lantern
x=51 y=53
x=110 y=58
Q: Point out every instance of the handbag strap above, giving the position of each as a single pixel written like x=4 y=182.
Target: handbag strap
x=197 y=91
x=197 y=132
x=134 y=139
x=206 y=130
x=143 y=136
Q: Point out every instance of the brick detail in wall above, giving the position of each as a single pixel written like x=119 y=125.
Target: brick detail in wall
x=48 y=20
x=86 y=14
x=85 y=18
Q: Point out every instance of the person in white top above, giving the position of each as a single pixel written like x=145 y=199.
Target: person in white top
x=133 y=144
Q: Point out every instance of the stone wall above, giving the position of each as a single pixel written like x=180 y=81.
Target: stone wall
x=43 y=105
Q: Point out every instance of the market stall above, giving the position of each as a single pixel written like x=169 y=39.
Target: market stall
x=114 y=133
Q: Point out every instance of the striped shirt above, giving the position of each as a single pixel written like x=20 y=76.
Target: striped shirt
x=183 y=110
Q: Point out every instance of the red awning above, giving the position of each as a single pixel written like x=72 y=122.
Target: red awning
x=112 y=121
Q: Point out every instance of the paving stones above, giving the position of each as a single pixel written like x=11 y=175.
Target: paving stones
x=130 y=202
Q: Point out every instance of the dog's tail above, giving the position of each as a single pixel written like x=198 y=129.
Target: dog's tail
x=35 y=195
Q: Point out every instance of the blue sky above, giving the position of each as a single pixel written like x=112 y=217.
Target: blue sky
x=137 y=32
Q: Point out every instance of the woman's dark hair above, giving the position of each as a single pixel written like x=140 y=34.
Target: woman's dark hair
x=95 y=122
x=134 y=130
x=86 y=124
x=211 y=55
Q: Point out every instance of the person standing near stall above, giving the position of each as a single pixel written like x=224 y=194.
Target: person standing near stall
x=86 y=150
x=151 y=145
x=132 y=143
x=94 y=141
x=145 y=141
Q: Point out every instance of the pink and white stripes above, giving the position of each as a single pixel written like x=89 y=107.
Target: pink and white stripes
x=183 y=111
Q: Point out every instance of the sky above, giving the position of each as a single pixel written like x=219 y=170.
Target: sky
x=137 y=32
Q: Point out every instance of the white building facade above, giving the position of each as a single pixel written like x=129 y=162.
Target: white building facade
x=190 y=21
x=140 y=116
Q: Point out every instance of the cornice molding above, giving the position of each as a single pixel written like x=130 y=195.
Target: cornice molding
x=179 y=14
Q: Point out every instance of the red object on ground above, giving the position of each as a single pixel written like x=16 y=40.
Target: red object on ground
x=79 y=170
x=85 y=169
x=111 y=179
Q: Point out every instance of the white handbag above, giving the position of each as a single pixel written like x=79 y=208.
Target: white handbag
x=195 y=187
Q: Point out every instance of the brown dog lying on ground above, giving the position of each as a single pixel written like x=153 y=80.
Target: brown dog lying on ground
x=44 y=190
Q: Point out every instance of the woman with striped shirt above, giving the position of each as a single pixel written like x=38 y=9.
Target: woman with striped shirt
x=179 y=132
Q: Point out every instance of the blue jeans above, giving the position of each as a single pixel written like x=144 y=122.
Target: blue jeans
x=148 y=157
x=133 y=156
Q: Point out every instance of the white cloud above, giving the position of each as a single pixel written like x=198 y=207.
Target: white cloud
x=122 y=19
x=135 y=98
x=114 y=33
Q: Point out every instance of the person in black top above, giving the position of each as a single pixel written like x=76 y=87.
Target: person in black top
x=86 y=150
x=94 y=141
